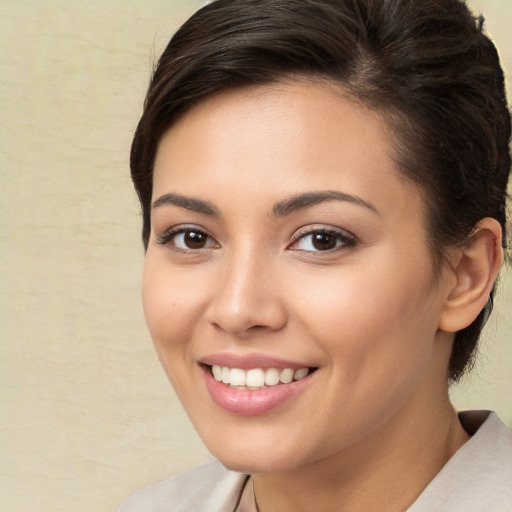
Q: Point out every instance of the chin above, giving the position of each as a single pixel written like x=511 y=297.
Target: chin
x=254 y=458
x=253 y=465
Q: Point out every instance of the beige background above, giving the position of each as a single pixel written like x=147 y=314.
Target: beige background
x=86 y=415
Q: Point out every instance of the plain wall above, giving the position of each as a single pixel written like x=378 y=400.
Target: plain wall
x=86 y=413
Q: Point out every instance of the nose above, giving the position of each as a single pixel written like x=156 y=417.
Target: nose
x=248 y=298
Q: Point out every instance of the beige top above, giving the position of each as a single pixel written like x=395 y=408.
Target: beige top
x=478 y=478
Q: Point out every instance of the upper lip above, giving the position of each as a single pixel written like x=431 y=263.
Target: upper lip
x=249 y=361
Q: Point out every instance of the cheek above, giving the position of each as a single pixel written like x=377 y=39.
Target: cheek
x=377 y=335
x=371 y=316
x=169 y=301
x=169 y=307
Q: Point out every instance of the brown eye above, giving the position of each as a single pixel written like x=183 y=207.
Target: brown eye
x=194 y=239
x=188 y=239
x=324 y=241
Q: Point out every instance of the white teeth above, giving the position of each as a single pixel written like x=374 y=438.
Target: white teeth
x=286 y=376
x=237 y=377
x=226 y=375
x=256 y=378
x=217 y=372
x=300 y=373
x=271 y=377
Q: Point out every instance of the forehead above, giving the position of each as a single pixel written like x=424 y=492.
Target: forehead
x=280 y=139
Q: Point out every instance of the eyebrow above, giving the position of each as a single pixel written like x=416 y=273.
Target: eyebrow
x=308 y=199
x=280 y=209
x=189 y=203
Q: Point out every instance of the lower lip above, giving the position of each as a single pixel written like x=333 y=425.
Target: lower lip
x=246 y=402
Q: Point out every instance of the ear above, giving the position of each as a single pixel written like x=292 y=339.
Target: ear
x=475 y=267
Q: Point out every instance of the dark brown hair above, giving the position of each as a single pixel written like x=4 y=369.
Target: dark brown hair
x=424 y=64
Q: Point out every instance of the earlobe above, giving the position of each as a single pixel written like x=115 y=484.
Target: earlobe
x=475 y=269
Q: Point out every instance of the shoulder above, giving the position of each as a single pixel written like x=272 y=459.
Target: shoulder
x=209 y=486
x=477 y=478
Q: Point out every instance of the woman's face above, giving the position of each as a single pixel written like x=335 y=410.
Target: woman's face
x=285 y=241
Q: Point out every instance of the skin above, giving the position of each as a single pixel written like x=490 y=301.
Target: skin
x=374 y=424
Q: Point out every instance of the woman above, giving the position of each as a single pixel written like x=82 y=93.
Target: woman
x=323 y=187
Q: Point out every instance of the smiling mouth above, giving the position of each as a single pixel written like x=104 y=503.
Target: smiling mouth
x=257 y=378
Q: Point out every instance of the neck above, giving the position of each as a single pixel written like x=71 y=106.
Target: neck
x=386 y=471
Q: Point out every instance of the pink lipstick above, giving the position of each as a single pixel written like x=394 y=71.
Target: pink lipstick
x=255 y=384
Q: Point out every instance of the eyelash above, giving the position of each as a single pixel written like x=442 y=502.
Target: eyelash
x=170 y=235
x=344 y=240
